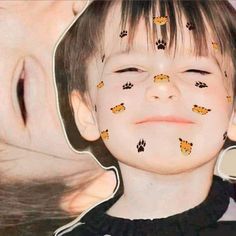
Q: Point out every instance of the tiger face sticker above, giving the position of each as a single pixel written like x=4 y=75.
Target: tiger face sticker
x=105 y=134
x=160 y=20
x=200 y=110
x=118 y=108
x=100 y=84
x=161 y=78
x=185 y=147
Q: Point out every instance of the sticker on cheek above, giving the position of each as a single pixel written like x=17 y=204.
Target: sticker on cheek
x=105 y=135
x=123 y=33
x=100 y=84
x=200 y=110
x=215 y=45
x=161 y=78
x=185 y=147
x=229 y=99
x=95 y=108
x=160 y=20
x=225 y=73
x=161 y=44
x=141 y=145
x=200 y=84
x=190 y=26
x=128 y=85
x=225 y=135
x=118 y=108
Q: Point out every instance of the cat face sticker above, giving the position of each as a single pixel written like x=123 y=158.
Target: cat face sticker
x=185 y=147
x=160 y=20
x=100 y=84
x=161 y=78
x=200 y=110
x=215 y=45
x=105 y=135
x=118 y=108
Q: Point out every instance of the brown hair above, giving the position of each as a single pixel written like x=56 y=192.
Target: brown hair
x=85 y=39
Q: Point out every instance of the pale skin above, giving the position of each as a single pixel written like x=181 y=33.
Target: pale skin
x=38 y=150
x=161 y=173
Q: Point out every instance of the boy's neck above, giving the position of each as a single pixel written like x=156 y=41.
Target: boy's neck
x=148 y=195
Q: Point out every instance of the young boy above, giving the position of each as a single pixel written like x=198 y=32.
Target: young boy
x=155 y=79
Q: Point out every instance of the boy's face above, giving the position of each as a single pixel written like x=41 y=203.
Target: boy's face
x=165 y=124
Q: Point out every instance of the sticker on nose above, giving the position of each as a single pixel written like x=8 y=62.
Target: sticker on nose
x=141 y=145
x=161 y=44
x=161 y=78
x=105 y=135
x=200 y=110
x=118 y=108
x=123 y=33
x=160 y=20
x=100 y=84
x=229 y=99
x=128 y=85
x=185 y=147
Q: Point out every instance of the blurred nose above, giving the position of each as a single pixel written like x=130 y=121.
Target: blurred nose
x=162 y=91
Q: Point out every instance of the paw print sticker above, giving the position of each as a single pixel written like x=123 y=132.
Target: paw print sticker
x=140 y=146
x=225 y=73
x=100 y=84
x=200 y=110
x=200 y=84
x=128 y=85
x=105 y=134
x=225 y=135
x=229 y=99
x=215 y=45
x=190 y=26
x=123 y=33
x=103 y=57
x=118 y=108
x=161 y=44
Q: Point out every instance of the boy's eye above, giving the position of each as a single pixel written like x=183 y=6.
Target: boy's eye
x=130 y=69
x=202 y=72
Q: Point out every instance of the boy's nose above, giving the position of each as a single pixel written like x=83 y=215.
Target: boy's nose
x=163 y=91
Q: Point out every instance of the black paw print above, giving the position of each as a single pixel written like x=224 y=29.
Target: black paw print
x=161 y=44
x=200 y=84
x=225 y=135
x=103 y=57
x=190 y=26
x=140 y=146
x=128 y=85
x=225 y=74
x=123 y=33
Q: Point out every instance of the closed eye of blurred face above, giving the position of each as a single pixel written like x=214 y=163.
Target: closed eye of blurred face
x=160 y=102
x=28 y=114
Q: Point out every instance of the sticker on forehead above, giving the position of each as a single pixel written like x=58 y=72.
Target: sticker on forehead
x=185 y=147
x=123 y=33
x=215 y=45
x=200 y=110
x=128 y=85
x=225 y=135
x=103 y=57
x=161 y=78
x=190 y=26
x=200 y=84
x=161 y=44
x=118 y=108
x=160 y=20
x=105 y=135
x=100 y=84
x=141 y=145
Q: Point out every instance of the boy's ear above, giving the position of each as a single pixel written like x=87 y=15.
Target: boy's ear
x=84 y=119
x=231 y=133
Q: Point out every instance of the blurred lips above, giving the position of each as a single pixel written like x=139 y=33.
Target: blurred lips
x=166 y=119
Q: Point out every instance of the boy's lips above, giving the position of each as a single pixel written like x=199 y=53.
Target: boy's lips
x=167 y=119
